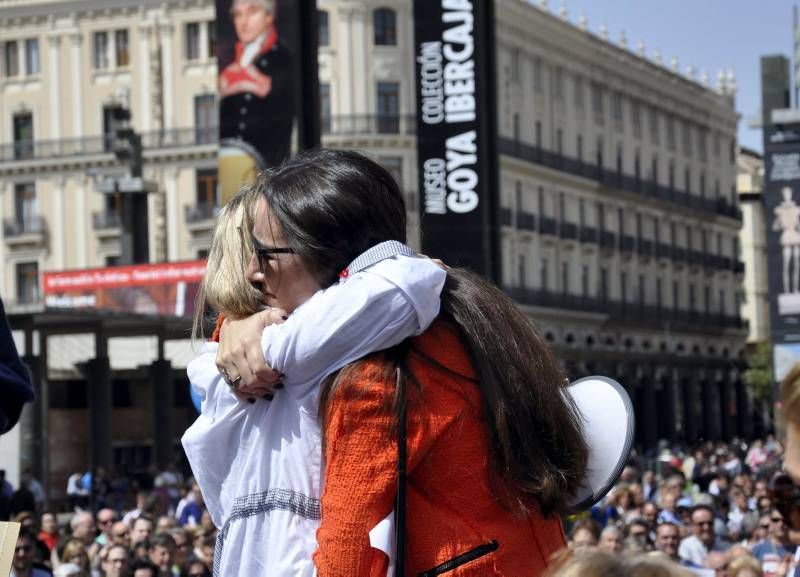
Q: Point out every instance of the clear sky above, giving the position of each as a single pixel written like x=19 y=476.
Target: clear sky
x=706 y=34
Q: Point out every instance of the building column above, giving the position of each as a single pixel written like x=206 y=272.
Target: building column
x=77 y=84
x=361 y=90
x=346 y=84
x=744 y=407
x=81 y=208
x=53 y=45
x=58 y=219
x=98 y=377
x=144 y=122
x=690 y=386
x=707 y=400
x=163 y=399
x=171 y=187
x=168 y=80
x=726 y=395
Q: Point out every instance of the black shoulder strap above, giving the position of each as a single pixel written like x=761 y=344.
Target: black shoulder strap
x=400 y=505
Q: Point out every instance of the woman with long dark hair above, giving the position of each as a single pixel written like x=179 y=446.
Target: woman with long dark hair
x=493 y=447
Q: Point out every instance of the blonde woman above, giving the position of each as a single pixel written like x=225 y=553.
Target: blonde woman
x=259 y=463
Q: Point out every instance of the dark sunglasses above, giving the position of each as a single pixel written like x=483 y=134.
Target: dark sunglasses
x=777 y=519
x=764 y=526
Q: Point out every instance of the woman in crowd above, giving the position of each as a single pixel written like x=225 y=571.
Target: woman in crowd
x=494 y=448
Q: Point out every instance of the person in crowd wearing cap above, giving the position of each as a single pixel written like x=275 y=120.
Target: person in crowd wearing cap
x=256 y=89
x=696 y=547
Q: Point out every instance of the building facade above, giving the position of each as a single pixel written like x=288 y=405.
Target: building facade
x=619 y=215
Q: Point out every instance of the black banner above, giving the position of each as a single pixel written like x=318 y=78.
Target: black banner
x=267 y=57
x=782 y=215
x=457 y=132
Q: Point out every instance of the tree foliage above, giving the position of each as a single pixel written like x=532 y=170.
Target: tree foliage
x=759 y=375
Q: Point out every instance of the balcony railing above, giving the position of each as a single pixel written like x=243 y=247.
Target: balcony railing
x=106 y=220
x=343 y=125
x=505 y=216
x=612 y=178
x=547 y=225
x=588 y=234
x=200 y=212
x=608 y=239
x=568 y=231
x=526 y=220
x=638 y=313
x=15 y=227
x=627 y=243
x=644 y=247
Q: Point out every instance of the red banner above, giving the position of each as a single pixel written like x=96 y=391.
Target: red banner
x=154 y=289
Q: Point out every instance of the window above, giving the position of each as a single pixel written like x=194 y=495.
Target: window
x=676 y=295
x=597 y=101
x=12 y=59
x=654 y=132
x=384 y=22
x=206 y=118
x=619 y=160
x=108 y=127
x=687 y=180
x=212 y=39
x=604 y=283
x=394 y=166
x=192 y=41
x=26 y=206
x=659 y=291
x=670 y=132
x=101 y=50
x=717 y=144
x=636 y=118
x=558 y=83
x=32 y=56
x=578 y=92
x=388 y=107
x=538 y=133
x=623 y=286
x=23 y=135
x=206 y=187
x=544 y=274
x=565 y=277
x=325 y=107
x=642 y=289
x=687 y=138
x=599 y=155
x=579 y=147
x=538 y=85
x=671 y=175
x=121 y=48
x=585 y=281
x=702 y=145
x=702 y=184
x=515 y=73
x=517 y=125
x=27 y=282
x=560 y=141
x=654 y=170
x=521 y=266
x=323 y=32
x=616 y=110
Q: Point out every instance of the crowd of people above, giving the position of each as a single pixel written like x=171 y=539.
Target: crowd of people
x=714 y=510
x=161 y=531
x=711 y=510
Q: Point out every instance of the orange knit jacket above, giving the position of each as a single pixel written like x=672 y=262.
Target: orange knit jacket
x=450 y=506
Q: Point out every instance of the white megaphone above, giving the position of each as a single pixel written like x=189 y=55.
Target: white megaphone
x=608 y=426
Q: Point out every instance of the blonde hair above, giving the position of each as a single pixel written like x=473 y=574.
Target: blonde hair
x=743 y=565
x=595 y=563
x=225 y=287
x=790 y=396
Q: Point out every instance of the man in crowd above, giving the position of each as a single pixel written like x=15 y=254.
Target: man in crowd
x=115 y=563
x=193 y=511
x=105 y=522
x=24 y=556
x=142 y=530
x=697 y=546
x=161 y=552
x=84 y=530
x=668 y=537
x=143 y=568
x=121 y=535
x=610 y=540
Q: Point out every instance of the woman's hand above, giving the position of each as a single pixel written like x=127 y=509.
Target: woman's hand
x=240 y=358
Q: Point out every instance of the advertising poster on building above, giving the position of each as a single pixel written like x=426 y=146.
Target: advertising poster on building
x=267 y=90
x=456 y=132
x=782 y=213
x=165 y=289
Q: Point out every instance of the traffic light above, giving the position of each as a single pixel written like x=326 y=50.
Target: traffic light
x=127 y=146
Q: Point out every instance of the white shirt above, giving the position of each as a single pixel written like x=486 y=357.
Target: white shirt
x=259 y=466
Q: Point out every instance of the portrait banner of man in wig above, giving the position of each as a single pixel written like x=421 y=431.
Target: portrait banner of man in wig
x=260 y=53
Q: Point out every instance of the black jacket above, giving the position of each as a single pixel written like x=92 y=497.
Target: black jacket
x=15 y=383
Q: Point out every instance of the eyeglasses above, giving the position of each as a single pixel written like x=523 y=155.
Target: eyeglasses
x=704 y=523
x=265 y=254
x=104 y=522
x=764 y=526
x=777 y=519
x=23 y=548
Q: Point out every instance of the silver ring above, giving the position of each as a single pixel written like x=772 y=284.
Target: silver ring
x=234 y=383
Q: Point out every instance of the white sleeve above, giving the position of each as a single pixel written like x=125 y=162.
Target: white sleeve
x=373 y=310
